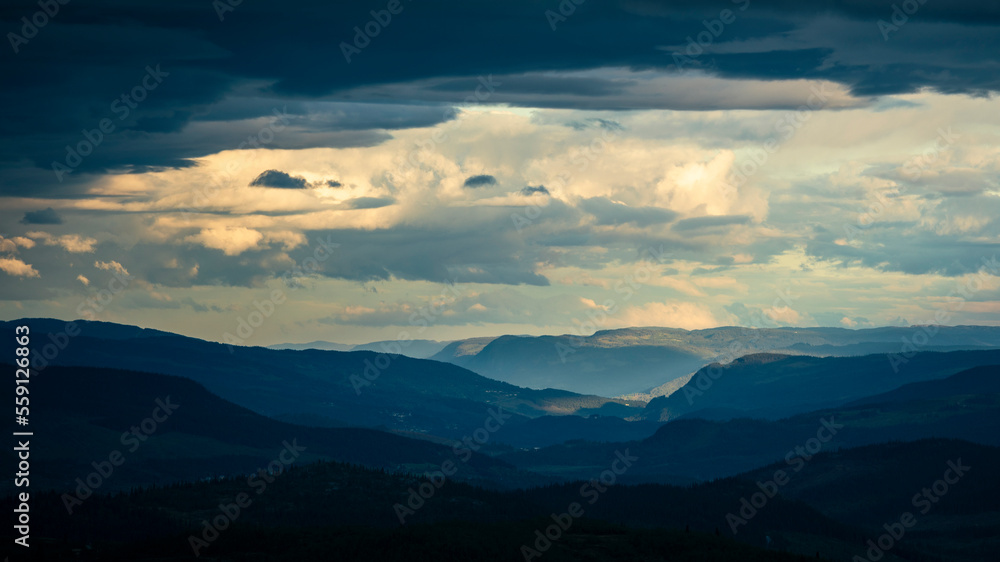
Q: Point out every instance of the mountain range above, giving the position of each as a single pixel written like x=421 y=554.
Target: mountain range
x=634 y=361
x=856 y=437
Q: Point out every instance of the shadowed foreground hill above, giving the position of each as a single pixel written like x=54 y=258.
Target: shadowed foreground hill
x=774 y=386
x=313 y=508
x=361 y=388
x=686 y=450
x=310 y=509
x=82 y=415
x=976 y=381
x=950 y=487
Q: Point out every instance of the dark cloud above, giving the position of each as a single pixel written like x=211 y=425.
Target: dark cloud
x=698 y=223
x=369 y=202
x=480 y=246
x=545 y=85
x=333 y=183
x=888 y=247
x=226 y=78
x=531 y=190
x=200 y=307
x=479 y=180
x=597 y=122
x=45 y=216
x=277 y=178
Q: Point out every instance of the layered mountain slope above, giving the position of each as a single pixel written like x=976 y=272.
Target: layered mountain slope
x=359 y=388
x=772 y=386
x=690 y=449
x=636 y=360
x=168 y=429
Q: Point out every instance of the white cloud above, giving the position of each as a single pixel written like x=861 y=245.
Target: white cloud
x=17 y=268
x=111 y=266
x=672 y=314
x=233 y=241
x=73 y=243
x=23 y=242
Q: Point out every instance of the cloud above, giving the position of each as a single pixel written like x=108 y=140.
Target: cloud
x=479 y=181
x=224 y=84
x=45 y=216
x=368 y=202
x=676 y=314
x=608 y=212
x=764 y=317
x=531 y=190
x=855 y=322
x=84 y=280
x=73 y=243
x=277 y=178
x=597 y=122
x=24 y=242
x=233 y=241
x=478 y=247
x=17 y=268
x=699 y=223
x=333 y=183
x=111 y=266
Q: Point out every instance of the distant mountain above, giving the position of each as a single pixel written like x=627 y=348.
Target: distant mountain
x=772 y=385
x=324 y=345
x=361 y=388
x=689 y=450
x=632 y=361
x=560 y=362
x=418 y=349
x=81 y=415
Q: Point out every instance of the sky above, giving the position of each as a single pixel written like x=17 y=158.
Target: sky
x=375 y=170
